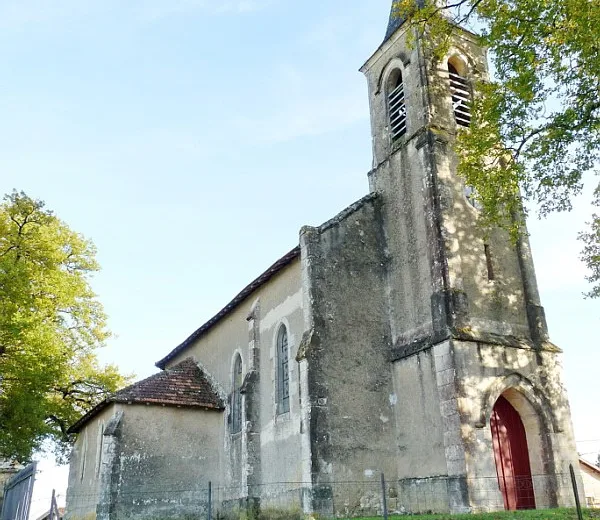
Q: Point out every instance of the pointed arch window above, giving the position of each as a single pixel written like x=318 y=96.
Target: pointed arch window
x=472 y=197
x=461 y=96
x=236 y=397
x=396 y=105
x=283 y=372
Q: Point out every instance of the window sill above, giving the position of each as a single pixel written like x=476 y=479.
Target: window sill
x=282 y=417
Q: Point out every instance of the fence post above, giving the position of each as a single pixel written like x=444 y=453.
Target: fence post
x=54 y=514
x=384 y=497
x=576 y=492
x=52 y=517
x=209 y=500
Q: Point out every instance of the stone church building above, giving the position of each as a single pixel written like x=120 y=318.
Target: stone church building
x=396 y=338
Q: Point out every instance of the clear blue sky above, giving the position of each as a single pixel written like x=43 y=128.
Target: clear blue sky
x=191 y=139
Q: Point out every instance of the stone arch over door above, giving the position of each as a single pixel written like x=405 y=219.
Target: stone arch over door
x=538 y=404
x=539 y=426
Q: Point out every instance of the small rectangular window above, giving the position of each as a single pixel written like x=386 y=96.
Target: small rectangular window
x=489 y=263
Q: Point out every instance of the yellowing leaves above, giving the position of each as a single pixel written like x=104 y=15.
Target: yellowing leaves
x=50 y=326
x=535 y=129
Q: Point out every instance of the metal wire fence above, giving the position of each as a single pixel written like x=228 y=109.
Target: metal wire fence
x=375 y=498
x=347 y=499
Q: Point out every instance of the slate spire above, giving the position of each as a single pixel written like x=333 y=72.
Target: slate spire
x=396 y=20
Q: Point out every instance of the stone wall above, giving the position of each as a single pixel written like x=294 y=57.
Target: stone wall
x=166 y=461
x=156 y=462
x=349 y=383
x=431 y=457
x=591 y=483
x=269 y=447
x=531 y=380
x=85 y=468
x=419 y=428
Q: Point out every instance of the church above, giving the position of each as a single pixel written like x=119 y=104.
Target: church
x=397 y=338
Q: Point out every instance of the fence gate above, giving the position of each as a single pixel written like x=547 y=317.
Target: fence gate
x=17 y=495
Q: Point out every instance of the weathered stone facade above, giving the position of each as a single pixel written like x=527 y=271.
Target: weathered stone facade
x=404 y=324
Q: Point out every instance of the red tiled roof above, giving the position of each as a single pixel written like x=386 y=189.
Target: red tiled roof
x=183 y=385
x=589 y=466
x=46 y=515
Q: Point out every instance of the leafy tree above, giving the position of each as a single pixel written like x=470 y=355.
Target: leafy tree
x=50 y=326
x=535 y=130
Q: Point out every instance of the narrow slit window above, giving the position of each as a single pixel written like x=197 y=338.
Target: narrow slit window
x=461 y=96
x=84 y=454
x=489 y=263
x=236 y=398
x=100 y=445
x=283 y=372
x=397 y=108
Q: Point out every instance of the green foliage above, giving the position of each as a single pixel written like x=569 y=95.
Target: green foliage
x=591 y=252
x=539 y=514
x=535 y=130
x=272 y=513
x=264 y=513
x=50 y=326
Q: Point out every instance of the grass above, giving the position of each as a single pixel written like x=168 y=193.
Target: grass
x=539 y=514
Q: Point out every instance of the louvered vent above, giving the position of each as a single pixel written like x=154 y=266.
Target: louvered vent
x=397 y=110
x=461 y=97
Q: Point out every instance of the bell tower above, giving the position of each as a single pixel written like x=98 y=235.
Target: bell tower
x=447 y=276
x=466 y=324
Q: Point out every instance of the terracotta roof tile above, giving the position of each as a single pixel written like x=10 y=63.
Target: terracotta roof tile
x=184 y=385
x=589 y=466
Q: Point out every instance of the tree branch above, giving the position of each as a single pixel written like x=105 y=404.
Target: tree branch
x=62 y=425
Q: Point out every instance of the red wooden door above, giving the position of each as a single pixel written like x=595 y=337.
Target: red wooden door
x=512 y=457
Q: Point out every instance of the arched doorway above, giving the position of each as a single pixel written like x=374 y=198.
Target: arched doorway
x=512 y=457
